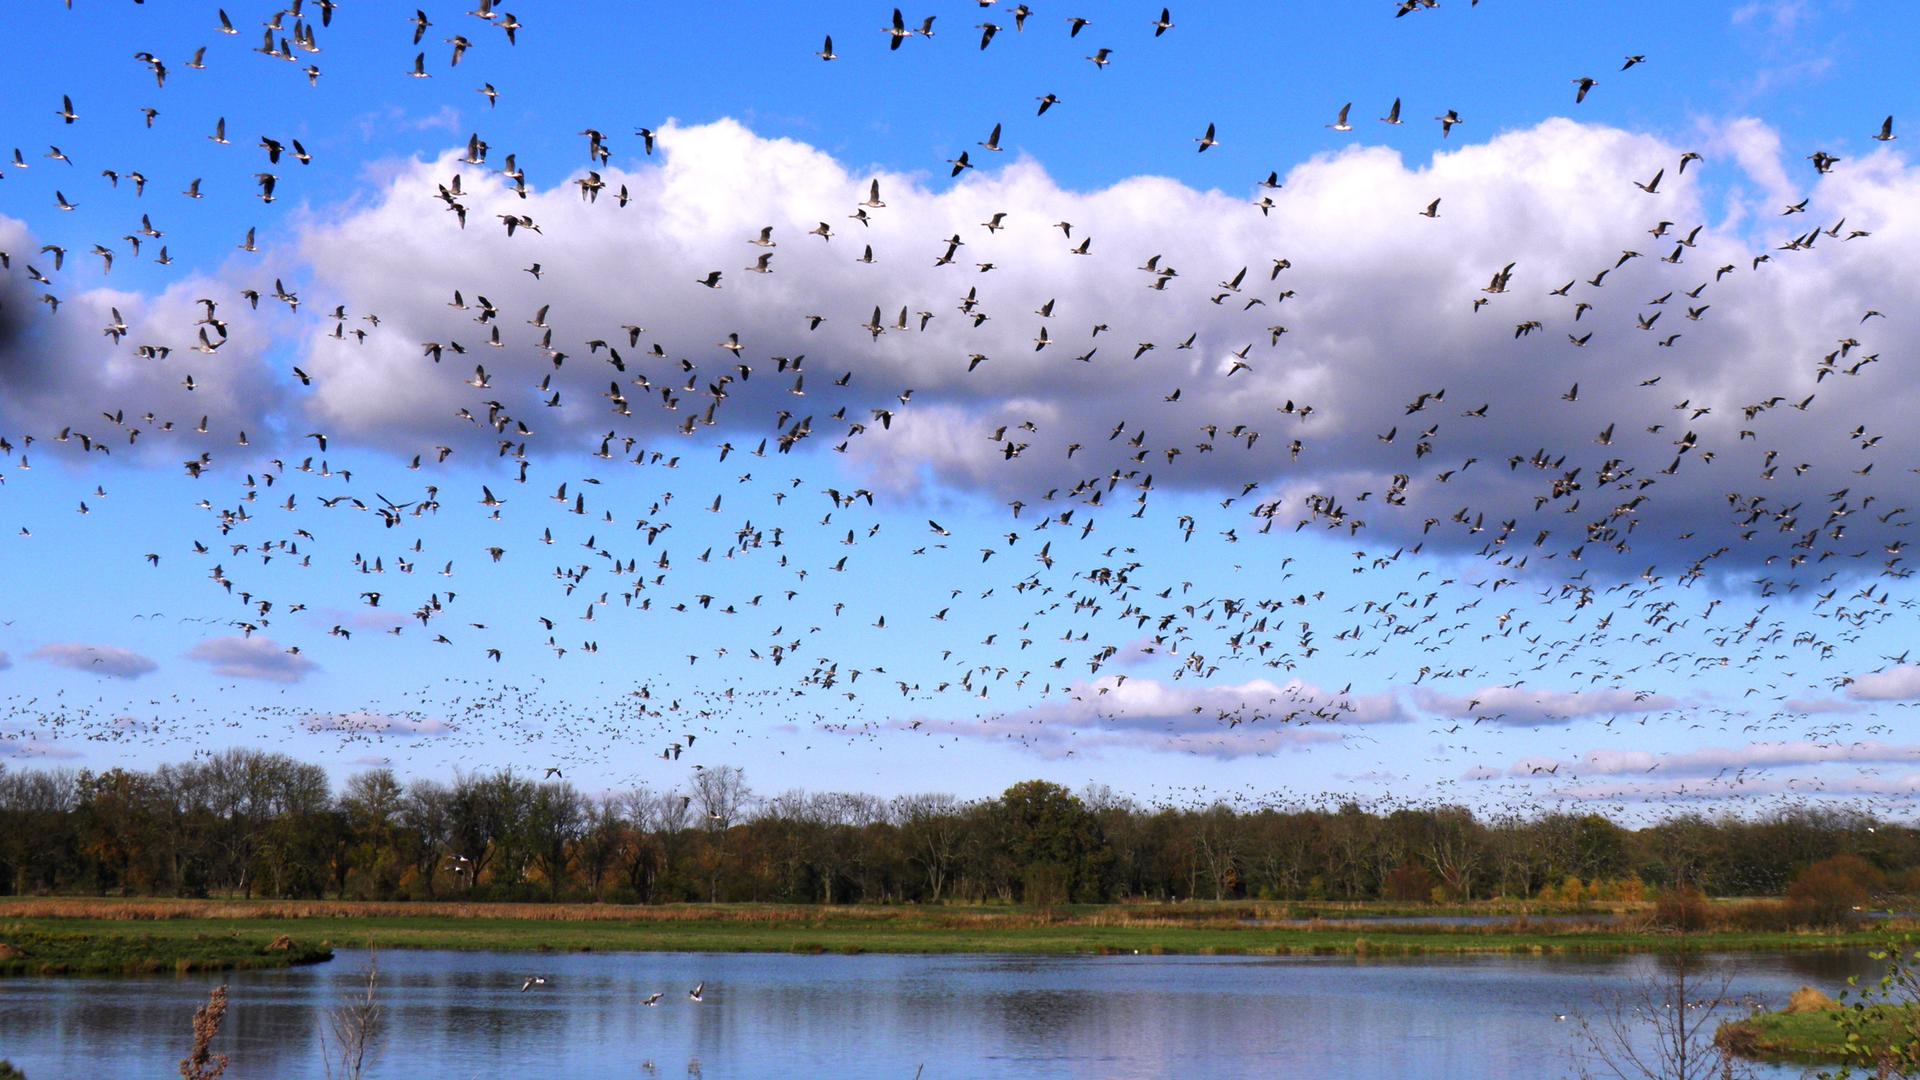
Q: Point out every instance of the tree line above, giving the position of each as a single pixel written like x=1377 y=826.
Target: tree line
x=257 y=824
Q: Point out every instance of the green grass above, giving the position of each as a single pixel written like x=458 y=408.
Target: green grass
x=110 y=936
x=1810 y=1038
x=37 y=947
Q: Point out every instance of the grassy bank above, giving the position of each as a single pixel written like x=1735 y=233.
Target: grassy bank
x=52 y=947
x=1809 y=1038
x=237 y=933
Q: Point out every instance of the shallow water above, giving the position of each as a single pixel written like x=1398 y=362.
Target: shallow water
x=781 y=1015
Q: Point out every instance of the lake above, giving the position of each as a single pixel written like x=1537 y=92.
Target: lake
x=461 y=1015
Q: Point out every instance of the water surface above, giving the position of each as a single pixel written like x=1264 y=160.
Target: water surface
x=779 y=1015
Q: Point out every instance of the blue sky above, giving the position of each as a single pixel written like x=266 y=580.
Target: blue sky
x=1748 y=667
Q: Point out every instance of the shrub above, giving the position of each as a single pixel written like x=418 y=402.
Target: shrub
x=1629 y=888
x=1571 y=891
x=1682 y=908
x=1831 y=891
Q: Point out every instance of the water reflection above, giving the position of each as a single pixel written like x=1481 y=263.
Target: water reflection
x=463 y=1015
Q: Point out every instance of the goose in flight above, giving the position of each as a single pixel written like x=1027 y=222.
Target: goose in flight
x=1340 y=122
x=1162 y=24
x=1447 y=121
x=695 y=993
x=1651 y=187
x=533 y=981
x=1392 y=117
x=652 y=999
x=1585 y=84
x=898 y=30
x=826 y=51
x=1099 y=59
x=1886 y=131
x=1205 y=141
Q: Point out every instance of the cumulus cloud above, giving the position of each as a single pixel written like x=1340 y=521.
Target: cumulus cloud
x=1519 y=706
x=58 y=370
x=1378 y=310
x=1900 y=683
x=1377 y=307
x=373 y=723
x=107 y=660
x=251 y=658
x=1223 y=721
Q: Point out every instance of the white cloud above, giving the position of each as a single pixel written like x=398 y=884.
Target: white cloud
x=1900 y=683
x=1380 y=311
x=372 y=723
x=1519 y=706
x=1778 y=17
x=107 y=660
x=24 y=746
x=251 y=658
x=1814 y=706
x=1792 y=789
x=57 y=368
x=1714 y=760
x=1225 y=721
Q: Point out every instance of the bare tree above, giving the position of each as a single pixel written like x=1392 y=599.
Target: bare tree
x=722 y=796
x=355 y=1025
x=426 y=817
x=1660 y=1027
x=932 y=828
x=555 y=821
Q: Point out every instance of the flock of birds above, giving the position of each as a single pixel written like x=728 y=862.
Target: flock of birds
x=1069 y=618
x=696 y=995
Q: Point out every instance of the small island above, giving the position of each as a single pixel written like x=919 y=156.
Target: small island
x=60 y=947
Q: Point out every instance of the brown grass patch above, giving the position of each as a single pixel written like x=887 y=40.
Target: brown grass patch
x=1808 y=1000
